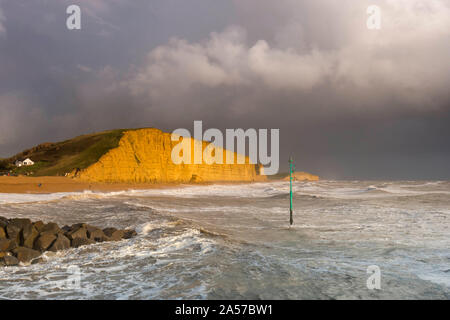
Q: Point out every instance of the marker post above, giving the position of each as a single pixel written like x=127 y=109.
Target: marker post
x=291 y=171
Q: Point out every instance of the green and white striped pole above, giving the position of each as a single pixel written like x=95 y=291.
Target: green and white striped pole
x=291 y=171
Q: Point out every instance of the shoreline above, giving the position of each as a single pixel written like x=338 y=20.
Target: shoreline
x=21 y=184
x=48 y=184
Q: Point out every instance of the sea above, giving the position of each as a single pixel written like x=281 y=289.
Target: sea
x=349 y=240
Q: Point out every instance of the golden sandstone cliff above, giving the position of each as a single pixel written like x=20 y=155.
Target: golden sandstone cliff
x=303 y=176
x=144 y=155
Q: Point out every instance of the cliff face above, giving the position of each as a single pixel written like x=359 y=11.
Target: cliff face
x=144 y=155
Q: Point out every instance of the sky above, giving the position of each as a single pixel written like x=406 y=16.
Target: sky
x=350 y=102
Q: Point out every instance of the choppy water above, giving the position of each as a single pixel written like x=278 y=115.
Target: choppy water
x=234 y=242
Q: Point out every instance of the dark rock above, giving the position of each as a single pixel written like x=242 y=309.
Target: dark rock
x=91 y=228
x=78 y=242
x=20 y=223
x=39 y=225
x=117 y=235
x=95 y=234
x=24 y=241
x=14 y=244
x=103 y=238
x=13 y=232
x=51 y=227
x=15 y=227
x=10 y=261
x=79 y=232
x=7 y=245
x=44 y=241
x=128 y=234
x=25 y=254
x=29 y=235
x=109 y=231
x=3 y=222
x=61 y=243
x=77 y=226
x=27 y=231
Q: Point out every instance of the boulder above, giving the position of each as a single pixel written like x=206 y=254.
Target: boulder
x=61 y=243
x=117 y=235
x=79 y=232
x=7 y=245
x=3 y=222
x=25 y=254
x=51 y=227
x=44 y=241
x=109 y=231
x=95 y=234
x=128 y=234
x=91 y=228
x=29 y=235
x=77 y=226
x=78 y=242
x=18 y=222
x=10 y=261
x=13 y=232
x=39 y=225
x=24 y=241
x=103 y=238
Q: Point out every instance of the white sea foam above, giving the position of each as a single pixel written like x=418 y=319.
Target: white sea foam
x=330 y=189
x=339 y=229
x=25 y=198
x=112 y=269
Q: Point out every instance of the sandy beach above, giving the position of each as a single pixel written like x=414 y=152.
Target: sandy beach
x=61 y=184
x=22 y=184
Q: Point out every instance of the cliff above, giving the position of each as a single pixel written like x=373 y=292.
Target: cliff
x=303 y=176
x=144 y=155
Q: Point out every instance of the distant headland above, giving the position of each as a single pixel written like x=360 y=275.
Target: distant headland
x=130 y=156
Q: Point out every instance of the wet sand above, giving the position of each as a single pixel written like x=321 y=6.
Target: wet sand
x=63 y=184
x=22 y=184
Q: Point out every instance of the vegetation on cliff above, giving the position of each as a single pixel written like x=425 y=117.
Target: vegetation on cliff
x=52 y=159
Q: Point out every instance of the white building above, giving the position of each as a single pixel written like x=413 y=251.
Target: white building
x=27 y=162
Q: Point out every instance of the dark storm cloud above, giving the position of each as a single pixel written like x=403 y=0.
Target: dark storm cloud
x=350 y=102
x=72 y=77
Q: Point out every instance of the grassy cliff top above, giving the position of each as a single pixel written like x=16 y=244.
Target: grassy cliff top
x=53 y=159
